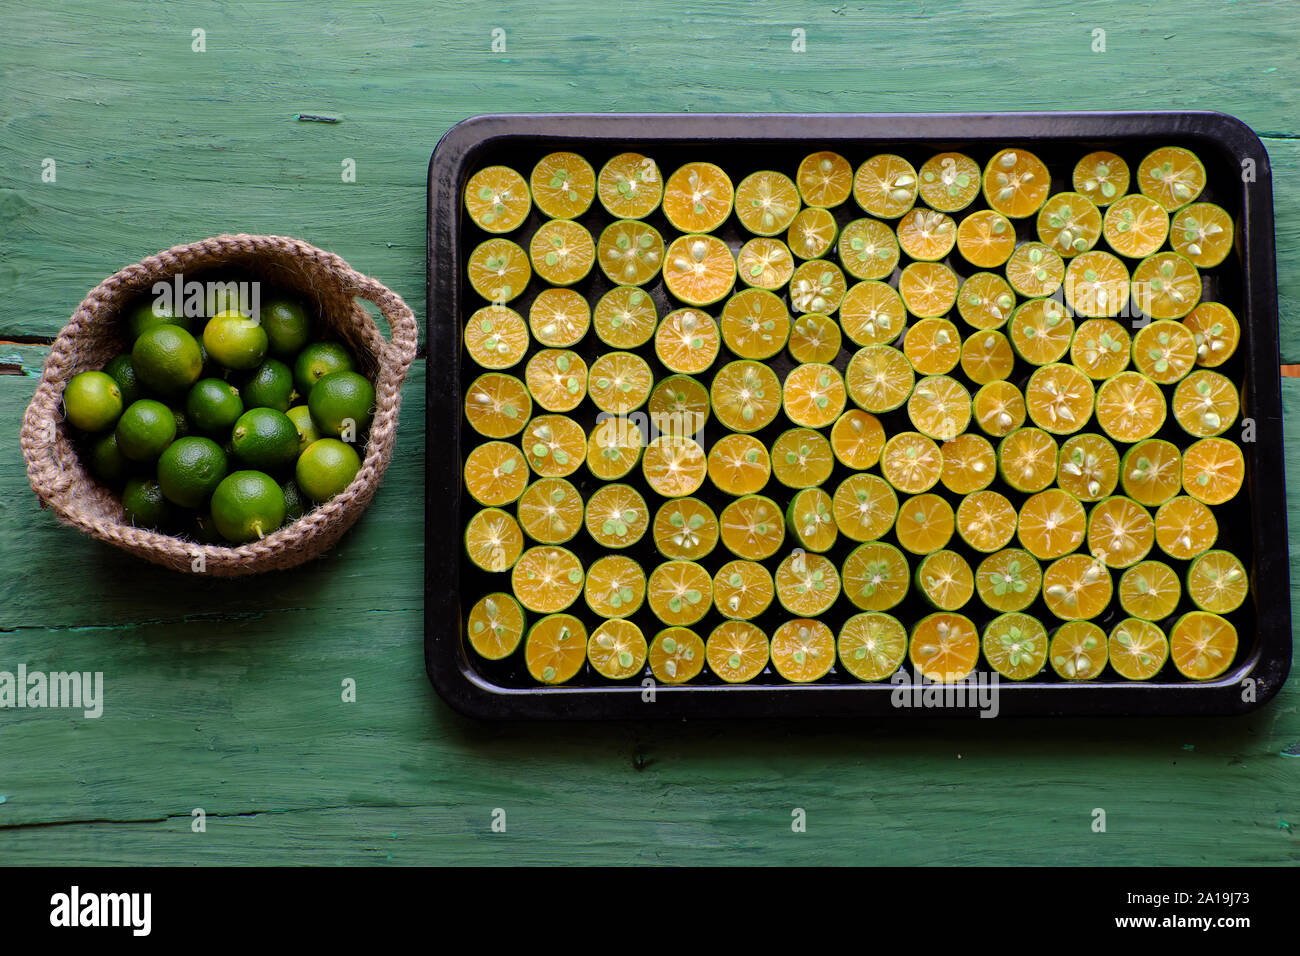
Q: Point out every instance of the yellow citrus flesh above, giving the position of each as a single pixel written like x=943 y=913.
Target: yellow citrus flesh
x=555 y=446
x=986 y=520
x=556 y=648
x=625 y=317
x=1077 y=587
x=676 y=655
x=1136 y=226
x=1150 y=472
x=617 y=649
x=765 y=263
x=986 y=239
x=1213 y=470
x=1016 y=183
x=630 y=186
x=617 y=516
x=496 y=337
x=969 y=464
x=557 y=379
x=766 y=202
x=875 y=576
x=1149 y=590
x=1009 y=580
x=615 y=586
x=742 y=590
x=499 y=270
x=1101 y=176
x=803 y=650
x=817 y=286
x=864 y=507
x=493 y=540
x=699 y=269
x=925 y=524
x=737 y=651
x=619 y=382
x=806 y=584
x=933 y=346
x=1217 y=582
x=562 y=251
x=1059 y=399
x=630 y=252
x=812 y=233
x=1205 y=404
x=986 y=300
x=739 y=464
x=1120 y=532
x=678 y=405
x=698 y=198
x=497 y=199
x=685 y=528
x=1185 y=527
x=857 y=438
x=563 y=185
x=546 y=579
x=1164 y=351
x=949 y=181
x=495 y=625
x=1088 y=467
x=674 y=465
x=1027 y=459
x=999 y=407
x=746 y=396
x=1101 y=348
x=614 y=448
x=1078 y=650
x=926 y=235
x=872 y=313
x=559 y=318
x=879 y=378
x=679 y=592
x=1096 y=285
x=885 y=186
x=928 y=289
x=1165 y=286
x=1203 y=233
x=1035 y=270
x=1130 y=407
x=497 y=405
x=945 y=647
x=687 y=341
x=1172 y=176
x=1137 y=649
x=911 y=462
x=495 y=474
x=869 y=249
x=946 y=580
x=1216 y=333
x=550 y=510
x=872 y=645
x=752 y=527
x=814 y=337
x=813 y=395
x=1052 y=524
x=1069 y=223
x=1202 y=645
x=1015 y=645
x=824 y=179
x=1041 y=331
x=810 y=520
x=802 y=458
x=940 y=407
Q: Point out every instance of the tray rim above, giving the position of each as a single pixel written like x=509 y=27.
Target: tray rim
x=446 y=662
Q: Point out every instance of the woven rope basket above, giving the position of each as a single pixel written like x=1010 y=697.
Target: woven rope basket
x=93 y=336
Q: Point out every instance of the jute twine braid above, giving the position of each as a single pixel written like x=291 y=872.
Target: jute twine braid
x=93 y=336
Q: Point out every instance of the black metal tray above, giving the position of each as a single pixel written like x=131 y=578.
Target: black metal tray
x=1253 y=525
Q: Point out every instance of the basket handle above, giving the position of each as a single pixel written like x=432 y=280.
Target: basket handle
x=404 y=333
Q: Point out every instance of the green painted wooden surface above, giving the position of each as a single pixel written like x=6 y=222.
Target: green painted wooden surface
x=226 y=696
